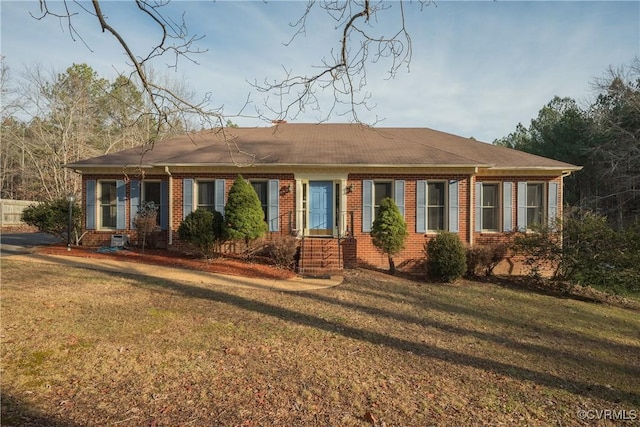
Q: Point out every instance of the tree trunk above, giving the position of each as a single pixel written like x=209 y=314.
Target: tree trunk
x=392 y=265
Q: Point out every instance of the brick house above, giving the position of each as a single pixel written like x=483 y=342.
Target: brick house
x=323 y=183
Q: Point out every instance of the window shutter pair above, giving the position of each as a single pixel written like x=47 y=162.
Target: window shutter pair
x=92 y=200
x=421 y=206
x=367 y=202
x=507 y=197
x=135 y=200
x=189 y=204
x=552 y=204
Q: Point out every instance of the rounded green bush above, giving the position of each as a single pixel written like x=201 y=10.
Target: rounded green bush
x=446 y=257
x=53 y=216
x=203 y=230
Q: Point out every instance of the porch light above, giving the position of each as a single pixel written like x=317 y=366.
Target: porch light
x=285 y=189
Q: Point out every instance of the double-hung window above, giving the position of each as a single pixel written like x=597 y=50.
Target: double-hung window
x=151 y=191
x=262 y=190
x=535 y=204
x=206 y=195
x=381 y=191
x=142 y=192
x=436 y=206
x=373 y=192
x=493 y=204
x=489 y=207
x=108 y=204
x=105 y=206
x=268 y=192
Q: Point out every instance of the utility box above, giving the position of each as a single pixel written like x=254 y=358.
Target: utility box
x=119 y=240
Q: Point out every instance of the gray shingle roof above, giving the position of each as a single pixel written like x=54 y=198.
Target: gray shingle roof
x=325 y=145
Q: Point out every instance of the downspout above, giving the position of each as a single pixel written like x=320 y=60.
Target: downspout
x=472 y=205
x=166 y=170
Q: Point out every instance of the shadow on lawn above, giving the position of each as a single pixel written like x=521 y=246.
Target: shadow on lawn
x=579 y=359
x=433 y=302
x=306 y=319
x=547 y=287
x=17 y=413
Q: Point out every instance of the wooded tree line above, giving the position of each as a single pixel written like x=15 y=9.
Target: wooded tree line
x=52 y=119
x=602 y=137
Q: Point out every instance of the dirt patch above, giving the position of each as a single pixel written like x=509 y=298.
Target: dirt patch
x=257 y=267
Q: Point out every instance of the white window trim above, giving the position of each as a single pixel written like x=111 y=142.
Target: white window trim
x=196 y=191
x=373 y=194
x=143 y=198
x=305 y=178
x=445 y=206
x=543 y=207
x=265 y=207
x=100 y=182
x=498 y=207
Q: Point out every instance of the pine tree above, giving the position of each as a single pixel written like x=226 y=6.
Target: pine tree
x=243 y=214
x=389 y=231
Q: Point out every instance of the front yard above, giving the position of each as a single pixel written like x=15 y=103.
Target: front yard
x=83 y=347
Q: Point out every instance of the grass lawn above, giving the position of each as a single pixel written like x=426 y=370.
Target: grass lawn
x=83 y=347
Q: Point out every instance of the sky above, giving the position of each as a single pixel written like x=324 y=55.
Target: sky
x=478 y=68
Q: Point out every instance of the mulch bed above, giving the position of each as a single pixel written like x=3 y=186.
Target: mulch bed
x=256 y=267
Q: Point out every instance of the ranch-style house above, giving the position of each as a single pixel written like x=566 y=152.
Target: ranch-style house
x=323 y=183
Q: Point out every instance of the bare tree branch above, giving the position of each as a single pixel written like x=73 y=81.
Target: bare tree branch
x=346 y=73
x=343 y=73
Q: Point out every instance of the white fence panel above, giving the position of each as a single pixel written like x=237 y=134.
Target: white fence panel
x=11 y=211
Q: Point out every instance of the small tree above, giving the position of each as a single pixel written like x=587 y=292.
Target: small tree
x=446 y=259
x=203 y=230
x=243 y=214
x=389 y=231
x=146 y=221
x=53 y=217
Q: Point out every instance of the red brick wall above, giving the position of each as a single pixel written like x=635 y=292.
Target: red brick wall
x=287 y=197
x=512 y=263
x=360 y=248
x=103 y=237
x=412 y=256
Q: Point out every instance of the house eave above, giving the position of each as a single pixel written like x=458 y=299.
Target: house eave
x=323 y=165
x=82 y=166
x=561 y=169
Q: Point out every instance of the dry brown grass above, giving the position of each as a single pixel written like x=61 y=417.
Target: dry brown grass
x=82 y=347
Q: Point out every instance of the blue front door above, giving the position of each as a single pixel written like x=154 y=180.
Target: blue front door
x=321 y=207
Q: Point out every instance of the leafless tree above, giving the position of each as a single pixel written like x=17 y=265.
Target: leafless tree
x=174 y=40
x=616 y=155
x=342 y=72
x=12 y=153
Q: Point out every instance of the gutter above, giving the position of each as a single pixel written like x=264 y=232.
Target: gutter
x=566 y=173
x=97 y=166
x=538 y=168
x=330 y=165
